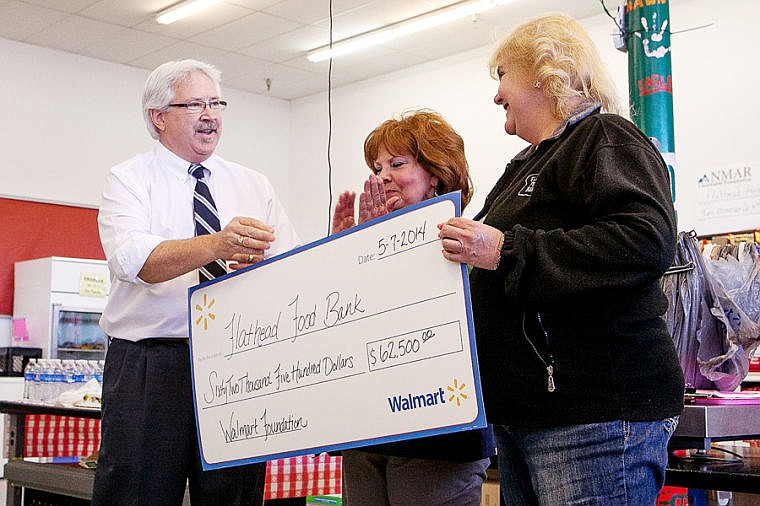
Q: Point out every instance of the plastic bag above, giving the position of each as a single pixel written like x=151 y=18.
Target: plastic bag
x=736 y=280
x=712 y=333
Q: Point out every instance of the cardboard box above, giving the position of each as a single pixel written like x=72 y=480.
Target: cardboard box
x=490 y=496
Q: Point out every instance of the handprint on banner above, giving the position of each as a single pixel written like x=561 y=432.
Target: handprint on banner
x=655 y=39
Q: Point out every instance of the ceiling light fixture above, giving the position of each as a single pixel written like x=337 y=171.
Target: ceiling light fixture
x=183 y=10
x=425 y=21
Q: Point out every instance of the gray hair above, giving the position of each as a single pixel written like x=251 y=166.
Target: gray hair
x=159 y=87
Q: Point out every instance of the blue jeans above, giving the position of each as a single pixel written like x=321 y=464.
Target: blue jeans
x=610 y=463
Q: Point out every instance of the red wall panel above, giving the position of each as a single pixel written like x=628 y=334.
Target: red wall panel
x=36 y=230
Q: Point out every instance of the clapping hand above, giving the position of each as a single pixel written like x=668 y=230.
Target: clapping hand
x=372 y=204
x=343 y=216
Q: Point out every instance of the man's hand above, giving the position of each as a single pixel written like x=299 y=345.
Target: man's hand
x=244 y=241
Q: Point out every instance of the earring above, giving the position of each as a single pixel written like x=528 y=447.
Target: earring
x=537 y=84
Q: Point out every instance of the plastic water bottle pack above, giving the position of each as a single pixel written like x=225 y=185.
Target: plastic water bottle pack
x=46 y=379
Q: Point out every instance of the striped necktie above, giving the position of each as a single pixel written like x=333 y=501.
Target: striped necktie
x=206 y=221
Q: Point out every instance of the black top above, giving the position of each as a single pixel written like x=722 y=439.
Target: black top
x=464 y=446
x=589 y=230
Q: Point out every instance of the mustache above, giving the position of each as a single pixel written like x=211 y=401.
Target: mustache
x=207 y=124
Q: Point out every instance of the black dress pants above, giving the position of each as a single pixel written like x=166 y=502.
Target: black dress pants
x=149 y=442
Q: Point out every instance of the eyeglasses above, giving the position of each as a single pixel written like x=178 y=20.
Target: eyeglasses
x=200 y=105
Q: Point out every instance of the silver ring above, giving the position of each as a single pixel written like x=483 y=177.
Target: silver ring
x=240 y=240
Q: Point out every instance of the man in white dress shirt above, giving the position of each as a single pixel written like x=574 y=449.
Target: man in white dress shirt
x=149 y=444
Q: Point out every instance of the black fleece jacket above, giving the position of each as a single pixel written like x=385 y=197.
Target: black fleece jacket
x=589 y=230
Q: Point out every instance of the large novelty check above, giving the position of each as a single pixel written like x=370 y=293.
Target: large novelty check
x=360 y=338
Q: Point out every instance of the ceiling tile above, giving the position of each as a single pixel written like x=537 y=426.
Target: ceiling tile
x=220 y=15
x=366 y=63
x=126 y=45
x=234 y=64
x=301 y=11
x=278 y=72
x=245 y=31
x=296 y=89
x=63 y=5
x=256 y=5
x=437 y=4
x=344 y=72
x=177 y=51
x=278 y=76
x=124 y=13
x=79 y=35
x=311 y=12
x=513 y=13
x=392 y=11
x=282 y=47
x=373 y=15
x=22 y=20
x=245 y=83
x=437 y=43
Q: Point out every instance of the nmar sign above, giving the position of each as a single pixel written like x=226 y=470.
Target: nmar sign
x=726 y=175
x=729 y=198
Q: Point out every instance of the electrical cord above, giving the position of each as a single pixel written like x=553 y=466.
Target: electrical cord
x=622 y=29
x=329 y=126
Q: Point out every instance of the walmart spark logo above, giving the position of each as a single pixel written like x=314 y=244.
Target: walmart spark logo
x=425 y=400
x=457 y=392
x=204 y=312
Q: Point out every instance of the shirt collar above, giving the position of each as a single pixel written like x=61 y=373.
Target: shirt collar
x=582 y=111
x=179 y=166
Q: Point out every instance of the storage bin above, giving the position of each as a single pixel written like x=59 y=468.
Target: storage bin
x=13 y=359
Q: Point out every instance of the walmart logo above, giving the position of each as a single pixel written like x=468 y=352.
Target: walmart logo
x=204 y=312
x=410 y=401
x=457 y=393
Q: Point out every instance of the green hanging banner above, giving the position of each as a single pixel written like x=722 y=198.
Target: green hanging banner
x=650 y=80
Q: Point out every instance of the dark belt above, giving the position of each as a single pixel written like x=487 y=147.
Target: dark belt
x=166 y=340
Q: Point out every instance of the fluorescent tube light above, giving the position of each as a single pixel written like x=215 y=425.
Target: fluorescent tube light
x=183 y=10
x=431 y=19
x=437 y=18
x=351 y=45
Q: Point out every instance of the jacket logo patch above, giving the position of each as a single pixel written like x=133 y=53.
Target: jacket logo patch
x=530 y=183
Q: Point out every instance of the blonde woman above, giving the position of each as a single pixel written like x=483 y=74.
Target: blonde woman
x=580 y=377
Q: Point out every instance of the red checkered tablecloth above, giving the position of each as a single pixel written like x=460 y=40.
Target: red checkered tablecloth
x=60 y=436
x=67 y=436
x=303 y=476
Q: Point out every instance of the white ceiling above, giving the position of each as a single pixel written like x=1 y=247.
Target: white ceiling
x=251 y=41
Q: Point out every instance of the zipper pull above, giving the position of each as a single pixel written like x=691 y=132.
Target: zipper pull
x=550 y=385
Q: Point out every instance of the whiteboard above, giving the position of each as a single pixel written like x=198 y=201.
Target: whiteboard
x=361 y=338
